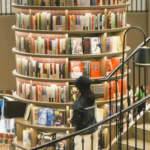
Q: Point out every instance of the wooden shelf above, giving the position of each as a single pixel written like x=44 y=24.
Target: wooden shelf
x=59 y=80
x=70 y=7
x=46 y=104
x=19 y=144
x=14 y=50
x=22 y=122
x=70 y=32
x=58 y=105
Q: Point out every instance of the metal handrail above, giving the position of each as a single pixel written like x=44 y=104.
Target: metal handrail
x=138 y=103
x=111 y=117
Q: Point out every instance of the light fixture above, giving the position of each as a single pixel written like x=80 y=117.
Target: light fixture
x=143 y=58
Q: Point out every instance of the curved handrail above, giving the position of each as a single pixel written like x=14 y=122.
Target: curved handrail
x=119 y=66
x=111 y=117
x=95 y=125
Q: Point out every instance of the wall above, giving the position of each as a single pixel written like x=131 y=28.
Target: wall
x=7 y=42
x=7 y=58
x=135 y=37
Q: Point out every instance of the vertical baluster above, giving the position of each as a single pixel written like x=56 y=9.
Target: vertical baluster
x=64 y=148
x=144 y=110
x=128 y=101
x=116 y=101
x=135 y=131
x=110 y=113
x=133 y=80
x=82 y=142
x=73 y=144
x=92 y=137
x=101 y=138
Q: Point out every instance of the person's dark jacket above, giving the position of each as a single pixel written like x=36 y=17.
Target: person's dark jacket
x=83 y=115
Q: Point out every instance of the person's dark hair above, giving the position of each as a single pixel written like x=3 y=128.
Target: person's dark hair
x=142 y=89
x=90 y=98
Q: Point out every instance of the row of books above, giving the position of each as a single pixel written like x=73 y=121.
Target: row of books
x=46 y=116
x=113 y=44
x=87 y=68
x=48 y=21
x=7 y=136
x=84 y=45
x=23 y=66
x=115 y=88
x=48 y=70
x=69 y=2
x=117 y=20
x=113 y=109
x=51 y=93
x=98 y=90
x=41 y=45
x=86 y=22
x=112 y=64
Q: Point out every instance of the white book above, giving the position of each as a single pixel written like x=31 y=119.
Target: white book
x=61 y=46
x=115 y=41
x=68 y=2
x=57 y=71
x=103 y=21
x=35 y=115
x=99 y=114
x=26 y=138
x=34 y=93
x=56 y=47
x=129 y=7
x=8 y=6
x=3 y=7
x=82 y=3
x=87 y=20
x=144 y=5
x=53 y=47
x=27 y=112
x=63 y=23
x=54 y=22
x=86 y=2
x=134 y=5
x=95 y=45
x=64 y=44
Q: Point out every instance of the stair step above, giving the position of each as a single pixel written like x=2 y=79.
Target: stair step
x=132 y=145
x=140 y=132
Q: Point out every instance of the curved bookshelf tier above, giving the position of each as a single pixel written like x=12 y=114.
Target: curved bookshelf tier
x=70 y=32
x=70 y=7
x=22 y=122
x=58 y=80
x=19 y=144
x=14 y=50
x=48 y=104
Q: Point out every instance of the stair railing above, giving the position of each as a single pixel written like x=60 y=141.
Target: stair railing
x=118 y=116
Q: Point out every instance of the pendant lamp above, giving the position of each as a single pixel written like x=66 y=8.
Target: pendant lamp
x=143 y=58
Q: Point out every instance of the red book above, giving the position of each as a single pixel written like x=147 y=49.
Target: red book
x=109 y=68
x=114 y=2
x=54 y=68
x=114 y=87
x=33 y=41
x=119 y=21
x=58 y=46
x=68 y=22
x=98 y=2
x=47 y=44
x=115 y=62
x=76 y=69
x=92 y=22
x=119 y=87
x=32 y=22
x=58 y=100
x=36 y=92
x=75 y=2
x=94 y=69
x=43 y=68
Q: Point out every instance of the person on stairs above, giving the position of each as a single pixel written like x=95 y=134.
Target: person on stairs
x=84 y=115
x=142 y=95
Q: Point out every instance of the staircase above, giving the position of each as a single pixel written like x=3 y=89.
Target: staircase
x=131 y=144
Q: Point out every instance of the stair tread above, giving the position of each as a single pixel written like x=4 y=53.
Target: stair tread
x=139 y=143
x=147 y=126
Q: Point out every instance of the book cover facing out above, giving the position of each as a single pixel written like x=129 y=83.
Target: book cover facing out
x=76 y=46
x=42 y=117
x=94 y=69
x=109 y=68
x=76 y=69
x=95 y=45
x=59 y=117
x=73 y=93
x=50 y=117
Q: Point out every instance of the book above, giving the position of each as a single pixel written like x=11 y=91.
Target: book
x=27 y=112
x=76 y=46
x=86 y=45
x=59 y=118
x=109 y=67
x=42 y=116
x=94 y=69
x=26 y=137
x=35 y=113
x=50 y=117
x=115 y=62
x=76 y=69
x=99 y=115
x=86 y=68
x=95 y=45
x=73 y=93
